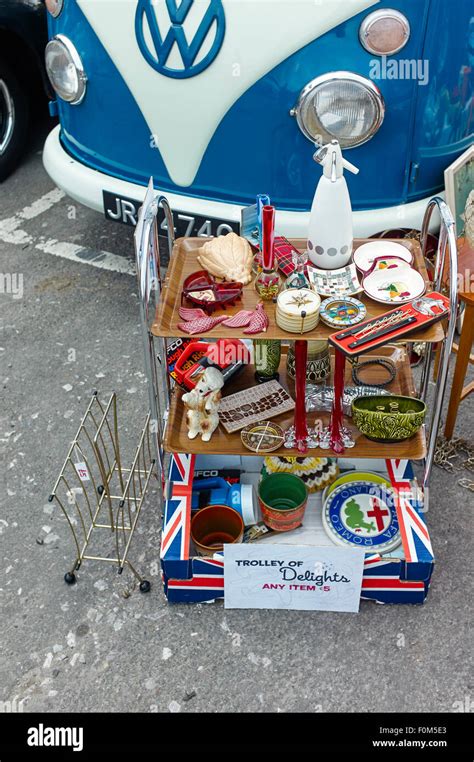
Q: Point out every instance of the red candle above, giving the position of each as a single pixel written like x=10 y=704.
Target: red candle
x=268 y=235
x=335 y=425
x=301 y=429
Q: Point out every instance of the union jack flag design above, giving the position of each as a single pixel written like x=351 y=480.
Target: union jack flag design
x=386 y=579
x=177 y=517
x=415 y=536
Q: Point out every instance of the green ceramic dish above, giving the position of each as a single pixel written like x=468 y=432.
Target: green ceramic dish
x=388 y=419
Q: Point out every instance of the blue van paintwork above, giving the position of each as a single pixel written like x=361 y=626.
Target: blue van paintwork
x=259 y=146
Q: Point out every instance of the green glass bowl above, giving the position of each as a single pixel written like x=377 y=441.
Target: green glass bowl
x=388 y=419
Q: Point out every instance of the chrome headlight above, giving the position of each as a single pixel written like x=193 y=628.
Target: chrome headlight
x=54 y=7
x=340 y=105
x=65 y=69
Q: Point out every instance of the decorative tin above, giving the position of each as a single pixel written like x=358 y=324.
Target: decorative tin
x=363 y=515
x=342 y=312
x=318 y=363
x=297 y=310
x=282 y=498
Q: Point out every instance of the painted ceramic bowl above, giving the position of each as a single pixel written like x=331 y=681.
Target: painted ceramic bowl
x=214 y=526
x=282 y=499
x=388 y=419
x=366 y=254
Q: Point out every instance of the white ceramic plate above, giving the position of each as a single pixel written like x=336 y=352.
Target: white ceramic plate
x=398 y=286
x=364 y=256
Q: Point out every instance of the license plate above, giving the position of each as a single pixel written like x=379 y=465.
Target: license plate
x=125 y=210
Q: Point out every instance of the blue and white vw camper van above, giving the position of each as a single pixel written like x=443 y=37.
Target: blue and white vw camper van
x=222 y=99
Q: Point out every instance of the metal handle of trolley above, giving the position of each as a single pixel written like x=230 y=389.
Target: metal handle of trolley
x=447 y=241
x=147 y=255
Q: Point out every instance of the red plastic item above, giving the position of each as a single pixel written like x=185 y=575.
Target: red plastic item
x=225 y=294
x=436 y=305
x=187 y=362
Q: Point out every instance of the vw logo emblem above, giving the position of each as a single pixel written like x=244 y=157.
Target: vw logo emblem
x=156 y=48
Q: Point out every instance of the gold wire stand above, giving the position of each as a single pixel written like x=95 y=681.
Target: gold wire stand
x=96 y=493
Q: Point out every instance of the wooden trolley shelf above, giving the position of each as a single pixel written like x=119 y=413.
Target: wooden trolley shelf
x=184 y=262
x=176 y=437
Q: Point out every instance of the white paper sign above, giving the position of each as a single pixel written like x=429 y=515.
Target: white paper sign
x=292 y=577
x=82 y=471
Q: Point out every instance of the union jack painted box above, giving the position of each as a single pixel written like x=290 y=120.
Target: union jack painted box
x=386 y=579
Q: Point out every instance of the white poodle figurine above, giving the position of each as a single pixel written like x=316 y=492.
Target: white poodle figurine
x=202 y=404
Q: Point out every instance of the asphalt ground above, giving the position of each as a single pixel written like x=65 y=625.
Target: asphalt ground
x=101 y=644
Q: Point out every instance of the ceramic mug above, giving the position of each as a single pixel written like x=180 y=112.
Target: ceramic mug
x=214 y=526
x=282 y=498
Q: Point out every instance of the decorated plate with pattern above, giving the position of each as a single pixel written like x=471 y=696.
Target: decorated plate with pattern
x=340 y=313
x=363 y=515
x=397 y=286
x=366 y=254
x=265 y=436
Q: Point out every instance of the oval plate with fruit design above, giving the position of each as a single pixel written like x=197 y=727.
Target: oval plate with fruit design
x=399 y=286
x=365 y=255
x=362 y=515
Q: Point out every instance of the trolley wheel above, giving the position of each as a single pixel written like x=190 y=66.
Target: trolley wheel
x=145 y=586
x=70 y=578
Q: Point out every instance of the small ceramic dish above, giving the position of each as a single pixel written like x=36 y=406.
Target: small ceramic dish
x=388 y=419
x=365 y=255
x=201 y=288
x=262 y=437
x=399 y=286
x=341 y=313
